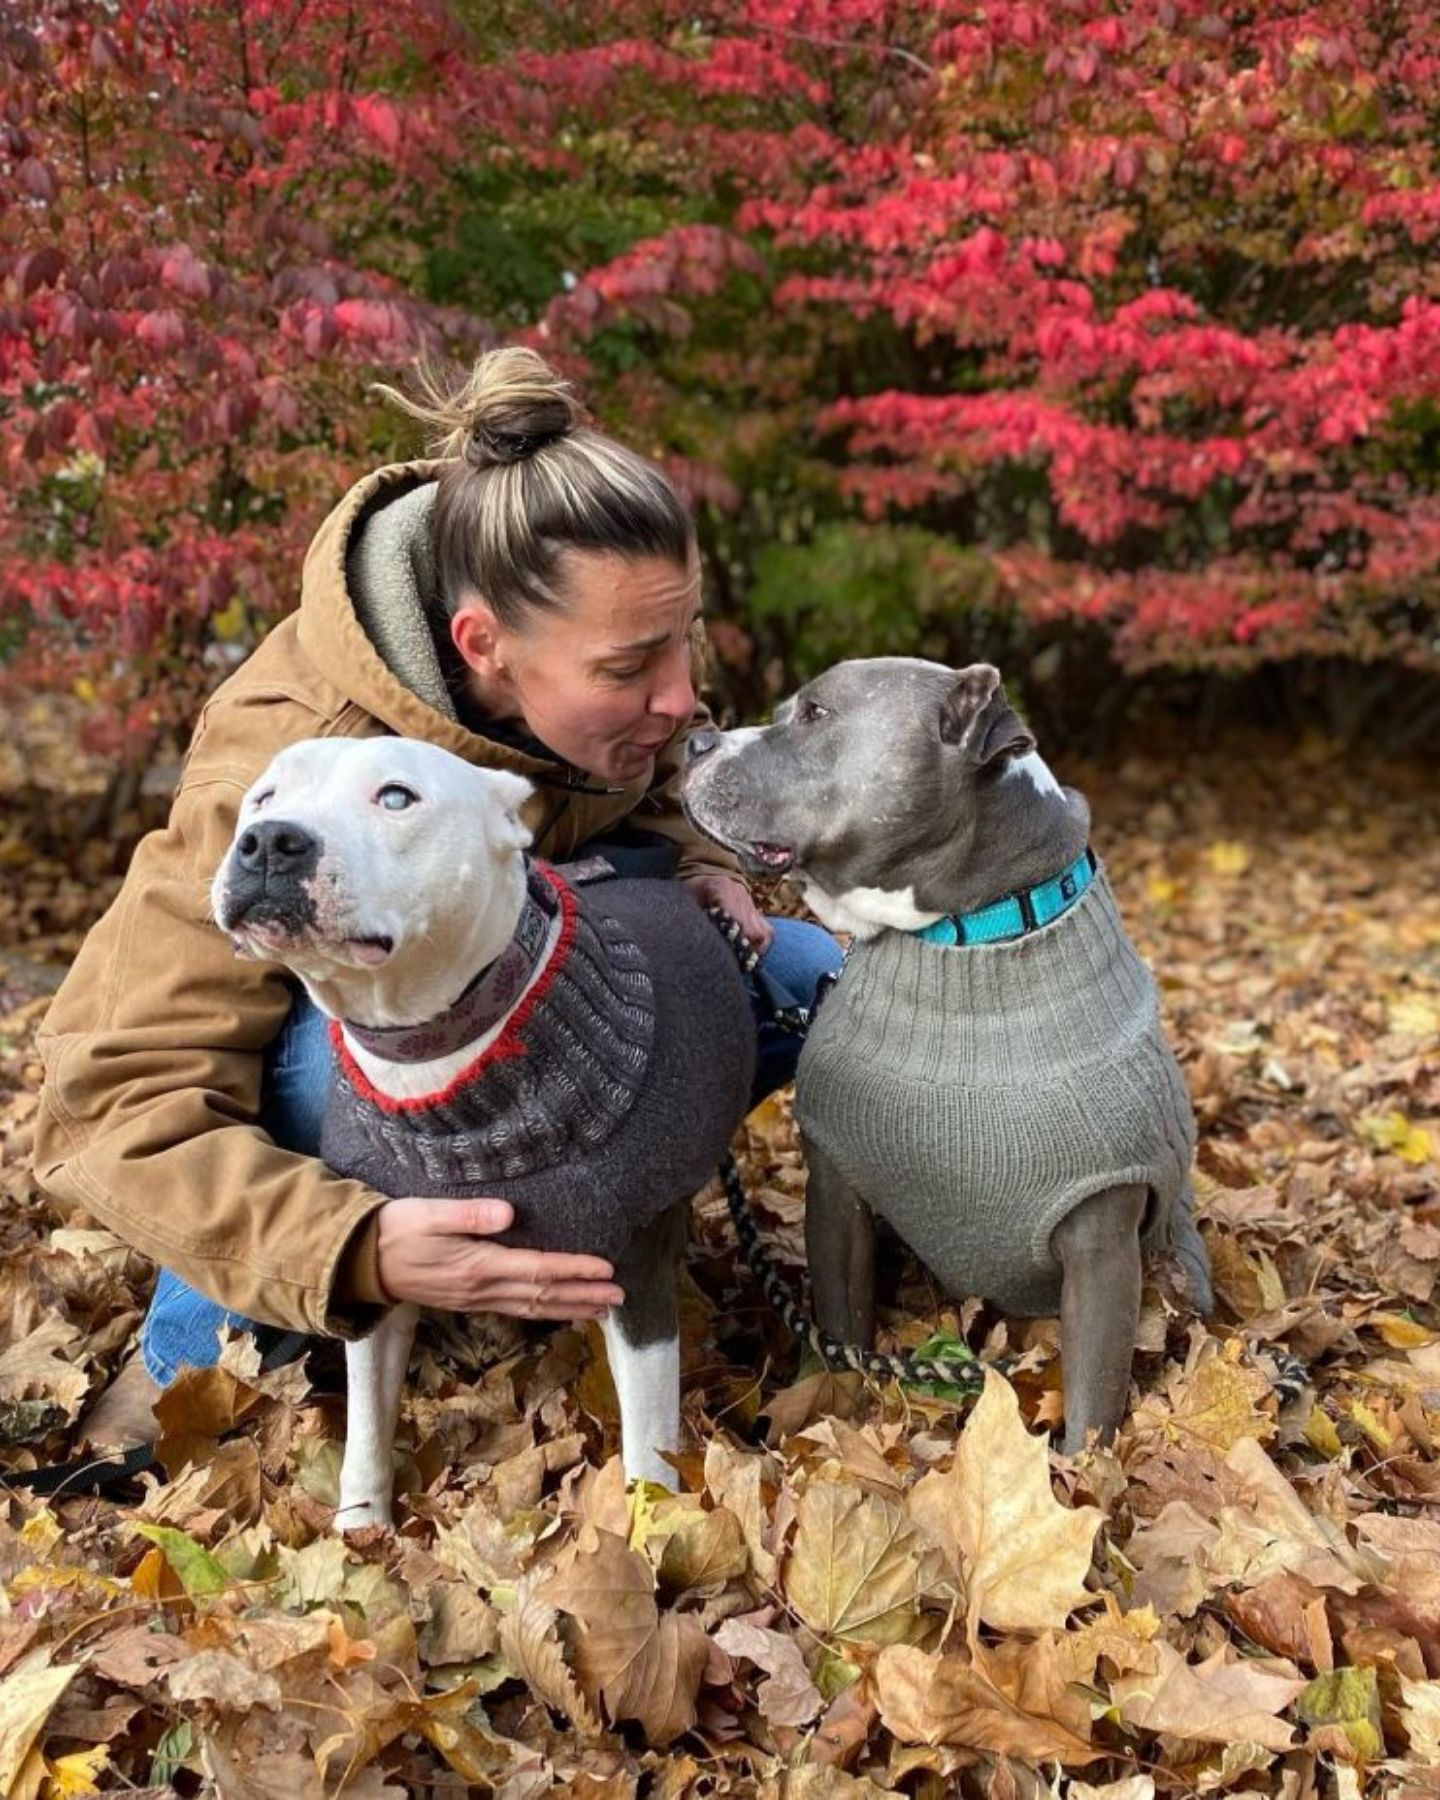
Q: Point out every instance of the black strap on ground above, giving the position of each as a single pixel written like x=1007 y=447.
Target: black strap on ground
x=116 y=1471
x=85 y=1475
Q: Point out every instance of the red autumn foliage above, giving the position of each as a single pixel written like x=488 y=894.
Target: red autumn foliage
x=1136 y=306
x=190 y=295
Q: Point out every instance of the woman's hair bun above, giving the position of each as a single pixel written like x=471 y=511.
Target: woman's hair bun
x=509 y=405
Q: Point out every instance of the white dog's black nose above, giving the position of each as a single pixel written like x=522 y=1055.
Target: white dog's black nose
x=277 y=848
x=701 y=743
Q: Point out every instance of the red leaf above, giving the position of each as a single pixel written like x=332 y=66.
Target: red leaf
x=319 y=333
x=37 y=179
x=183 y=271
x=164 y=330
x=381 y=119
x=41 y=269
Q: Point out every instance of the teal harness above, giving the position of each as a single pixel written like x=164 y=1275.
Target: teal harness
x=1017 y=914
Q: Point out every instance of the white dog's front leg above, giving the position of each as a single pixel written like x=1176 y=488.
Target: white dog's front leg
x=647 y=1380
x=375 y=1369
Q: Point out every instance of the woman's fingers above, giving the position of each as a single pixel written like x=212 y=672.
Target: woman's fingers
x=421 y=1256
x=566 y=1293
x=529 y=1267
x=554 y=1303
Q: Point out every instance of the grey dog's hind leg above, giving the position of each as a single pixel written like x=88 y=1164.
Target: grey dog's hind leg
x=840 y=1249
x=1098 y=1245
x=642 y=1341
x=1188 y=1248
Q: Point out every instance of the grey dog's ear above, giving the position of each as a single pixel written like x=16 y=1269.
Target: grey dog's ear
x=979 y=721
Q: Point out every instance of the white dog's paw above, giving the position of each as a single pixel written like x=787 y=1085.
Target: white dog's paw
x=651 y=1468
x=355 y=1515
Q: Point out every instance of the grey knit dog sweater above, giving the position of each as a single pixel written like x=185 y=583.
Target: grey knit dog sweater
x=611 y=1094
x=974 y=1096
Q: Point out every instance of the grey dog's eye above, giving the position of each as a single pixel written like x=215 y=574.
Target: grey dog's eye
x=809 y=712
x=395 y=797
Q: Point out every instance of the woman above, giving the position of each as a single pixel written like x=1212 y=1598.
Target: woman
x=529 y=600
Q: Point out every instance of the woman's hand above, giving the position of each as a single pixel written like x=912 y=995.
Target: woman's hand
x=733 y=897
x=437 y=1253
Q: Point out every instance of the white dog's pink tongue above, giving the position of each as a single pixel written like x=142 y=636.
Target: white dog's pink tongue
x=370 y=952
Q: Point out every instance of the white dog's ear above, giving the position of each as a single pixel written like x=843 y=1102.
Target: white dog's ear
x=979 y=721
x=511 y=792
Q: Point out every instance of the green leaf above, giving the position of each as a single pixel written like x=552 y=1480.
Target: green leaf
x=199 y=1572
x=946 y=1347
x=174 y=1749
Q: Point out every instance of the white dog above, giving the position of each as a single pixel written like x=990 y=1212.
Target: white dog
x=584 y=1052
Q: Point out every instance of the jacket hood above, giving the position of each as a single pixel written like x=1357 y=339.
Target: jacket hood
x=370 y=611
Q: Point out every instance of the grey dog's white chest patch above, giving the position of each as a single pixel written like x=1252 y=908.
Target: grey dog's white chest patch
x=975 y=1096
x=866 y=911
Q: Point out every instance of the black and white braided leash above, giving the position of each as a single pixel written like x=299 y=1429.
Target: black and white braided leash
x=965 y=1371
x=961 y=1369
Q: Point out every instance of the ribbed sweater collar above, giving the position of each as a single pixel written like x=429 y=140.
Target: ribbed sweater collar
x=998 y=1013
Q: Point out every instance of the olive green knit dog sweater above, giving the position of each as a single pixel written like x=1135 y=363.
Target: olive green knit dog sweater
x=974 y=1096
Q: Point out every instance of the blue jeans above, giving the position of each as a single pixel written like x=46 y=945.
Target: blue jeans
x=181 y=1325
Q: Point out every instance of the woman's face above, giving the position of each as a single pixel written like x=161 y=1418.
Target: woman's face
x=605 y=682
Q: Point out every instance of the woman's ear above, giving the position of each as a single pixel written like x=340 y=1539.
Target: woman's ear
x=475 y=633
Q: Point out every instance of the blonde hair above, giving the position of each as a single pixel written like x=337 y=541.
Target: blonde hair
x=525 y=476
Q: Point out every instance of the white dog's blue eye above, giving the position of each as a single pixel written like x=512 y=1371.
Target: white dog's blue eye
x=395 y=798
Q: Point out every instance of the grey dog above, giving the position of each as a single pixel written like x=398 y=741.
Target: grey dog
x=990 y=1075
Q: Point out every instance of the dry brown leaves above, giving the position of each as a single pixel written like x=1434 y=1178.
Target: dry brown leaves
x=850 y=1594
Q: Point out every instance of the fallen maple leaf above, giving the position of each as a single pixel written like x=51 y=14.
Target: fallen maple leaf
x=531 y=1644
x=810 y=1782
x=27 y=1696
x=643 y=1664
x=736 y=1479
x=1420 y=1714
x=224 y=1680
x=702 y=1551
x=462 y=1626
x=1014 y=1701
x=1218 y=1701
x=200 y=1572
x=345 y=1650
x=1133 y=1787
x=1268 y=1527
x=788 y=1696
x=1123 y=1639
x=1024 y=1555
x=33 y=1368
x=1215 y=1400
x=77 y=1773
x=1415 y=1014
x=1228 y=857
x=1348 y=1702
x=857 y=1568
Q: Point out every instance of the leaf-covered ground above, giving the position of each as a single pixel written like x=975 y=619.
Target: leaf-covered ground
x=852 y=1591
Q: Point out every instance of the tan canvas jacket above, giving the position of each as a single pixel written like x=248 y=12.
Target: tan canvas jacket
x=153 y=1047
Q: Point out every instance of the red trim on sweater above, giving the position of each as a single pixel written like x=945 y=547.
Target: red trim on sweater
x=508 y=1044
